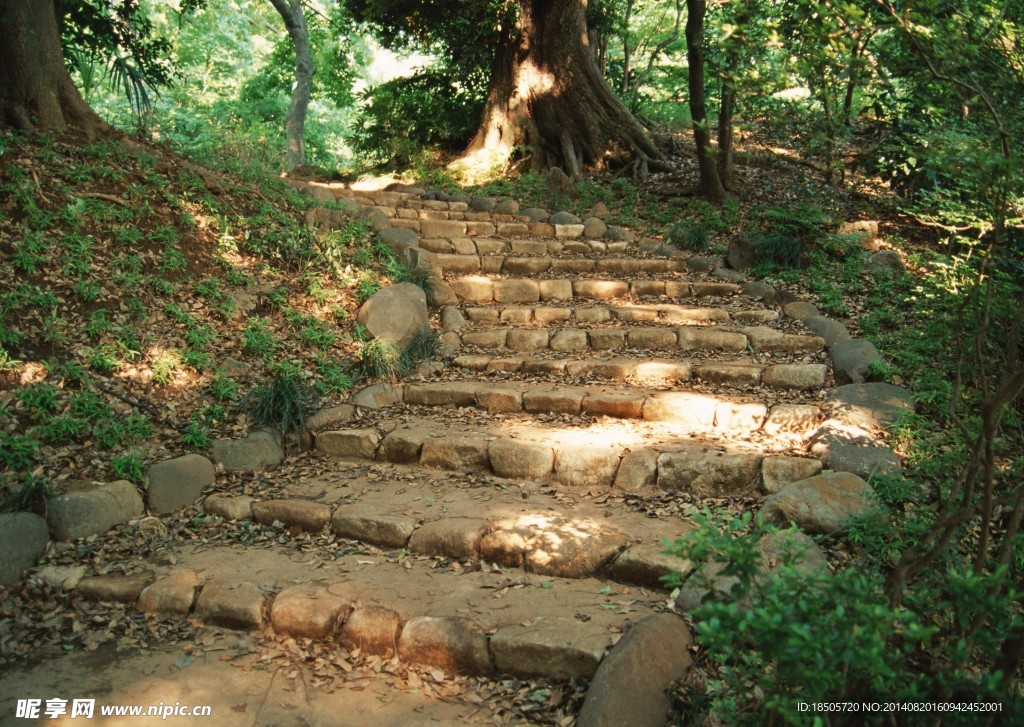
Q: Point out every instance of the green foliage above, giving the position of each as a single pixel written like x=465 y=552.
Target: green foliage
x=223 y=388
x=110 y=433
x=17 y=452
x=30 y=496
x=333 y=377
x=127 y=467
x=40 y=399
x=365 y=289
x=62 y=429
x=380 y=359
x=165 y=366
x=778 y=248
x=196 y=436
x=257 y=338
x=284 y=402
x=688 y=236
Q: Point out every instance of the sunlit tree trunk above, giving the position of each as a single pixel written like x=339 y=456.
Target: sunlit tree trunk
x=547 y=93
x=295 y=122
x=36 y=90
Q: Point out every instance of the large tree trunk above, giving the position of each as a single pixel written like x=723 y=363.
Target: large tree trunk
x=735 y=45
x=710 y=183
x=548 y=94
x=295 y=122
x=36 y=90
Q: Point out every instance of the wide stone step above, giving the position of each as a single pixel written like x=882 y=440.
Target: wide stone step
x=454 y=264
x=483 y=289
x=606 y=453
x=595 y=314
x=693 y=412
x=740 y=373
x=641 y=338
x=460 y=619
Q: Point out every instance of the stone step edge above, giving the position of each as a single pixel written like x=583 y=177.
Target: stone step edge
x=693 y=467
x=481 y=289
x=700 y=412
x=570 y=649
x=736 y=374
x=638 y=338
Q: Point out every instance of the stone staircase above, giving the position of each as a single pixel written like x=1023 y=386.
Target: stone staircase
x=493 y=504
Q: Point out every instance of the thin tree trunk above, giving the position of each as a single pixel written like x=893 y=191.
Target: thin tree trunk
x=710 y=183
x=547 y=93
x=36 y=91
x=295 y=123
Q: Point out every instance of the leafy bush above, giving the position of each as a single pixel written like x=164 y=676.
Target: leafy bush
x=779 y=249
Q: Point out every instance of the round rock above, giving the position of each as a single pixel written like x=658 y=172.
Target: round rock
x=395 y=314
x=23 y=538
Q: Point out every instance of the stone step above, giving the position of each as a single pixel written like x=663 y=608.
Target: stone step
x=641 y=338
x=692 y=412
x=592 y=314
x=448 y=615
x=455 y=264
x=627 y=455
x=738 y=373
x=483 y=289
x=487 y=246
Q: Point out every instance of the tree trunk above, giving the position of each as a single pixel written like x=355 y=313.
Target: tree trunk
x=735 y=44
x=547 y=93
x=710 y=183
x=36 y=90
x=295 y=122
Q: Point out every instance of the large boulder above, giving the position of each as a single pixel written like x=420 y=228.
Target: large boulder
x=631 y=686
x=852 y=359
x=23 y=538
x=395 y=314
x=177 y=482
x=88 y=508
x=261 y=449
x=868 y=405
x=822 y=504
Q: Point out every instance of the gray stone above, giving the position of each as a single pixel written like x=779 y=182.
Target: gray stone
x=564 y=218
x=831 y=331
x=556 y=648
x=459 y=453
x=795 y=376
x=633 y=683
x=823 y=504
x=65 y=577
x=645 y=564
x=637 y=471
x=23 y=538
x=261 y=449
x=618 y=234
x=371 y=526
x=761 y=291
x=800 y=310
x=886 y=261
x=483 y=204
x=455 y=645
x=452 y=319
x=178 y=482
x=599 y=210
x=88 y=508
x=871 y=405
x=506 y=207
x=742 y=253
x=862 y=459
x=710 y=474
x=536 y=214
x=234 y=368
x=232 y=603
x=403 y=446
x=378 y=396
x=399 y=240
x=568 y=551
x=328 y=418
x=777 y=472
x=851 y=360
x=396 y=313
x=594 y=228
x=440 y=293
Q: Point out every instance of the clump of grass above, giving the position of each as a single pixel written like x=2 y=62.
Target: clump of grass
x=689 y=236
x=380 y=359
x=284 y=402
x=779 y=249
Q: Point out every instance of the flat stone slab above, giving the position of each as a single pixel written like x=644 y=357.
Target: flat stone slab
x=88 y=508
x=304 y=514
x=23 y=538
x=631 y=686
x=645 y=564
x=455 y=537
x=230 y=507
x=868 y=405
x=117 y=588
x=235 y=604
x=370 y=526
x=372 y=630
x=172 y=595
x=556 y=648
x=712 y=474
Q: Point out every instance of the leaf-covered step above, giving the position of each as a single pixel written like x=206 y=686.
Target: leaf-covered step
x=483 y=289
